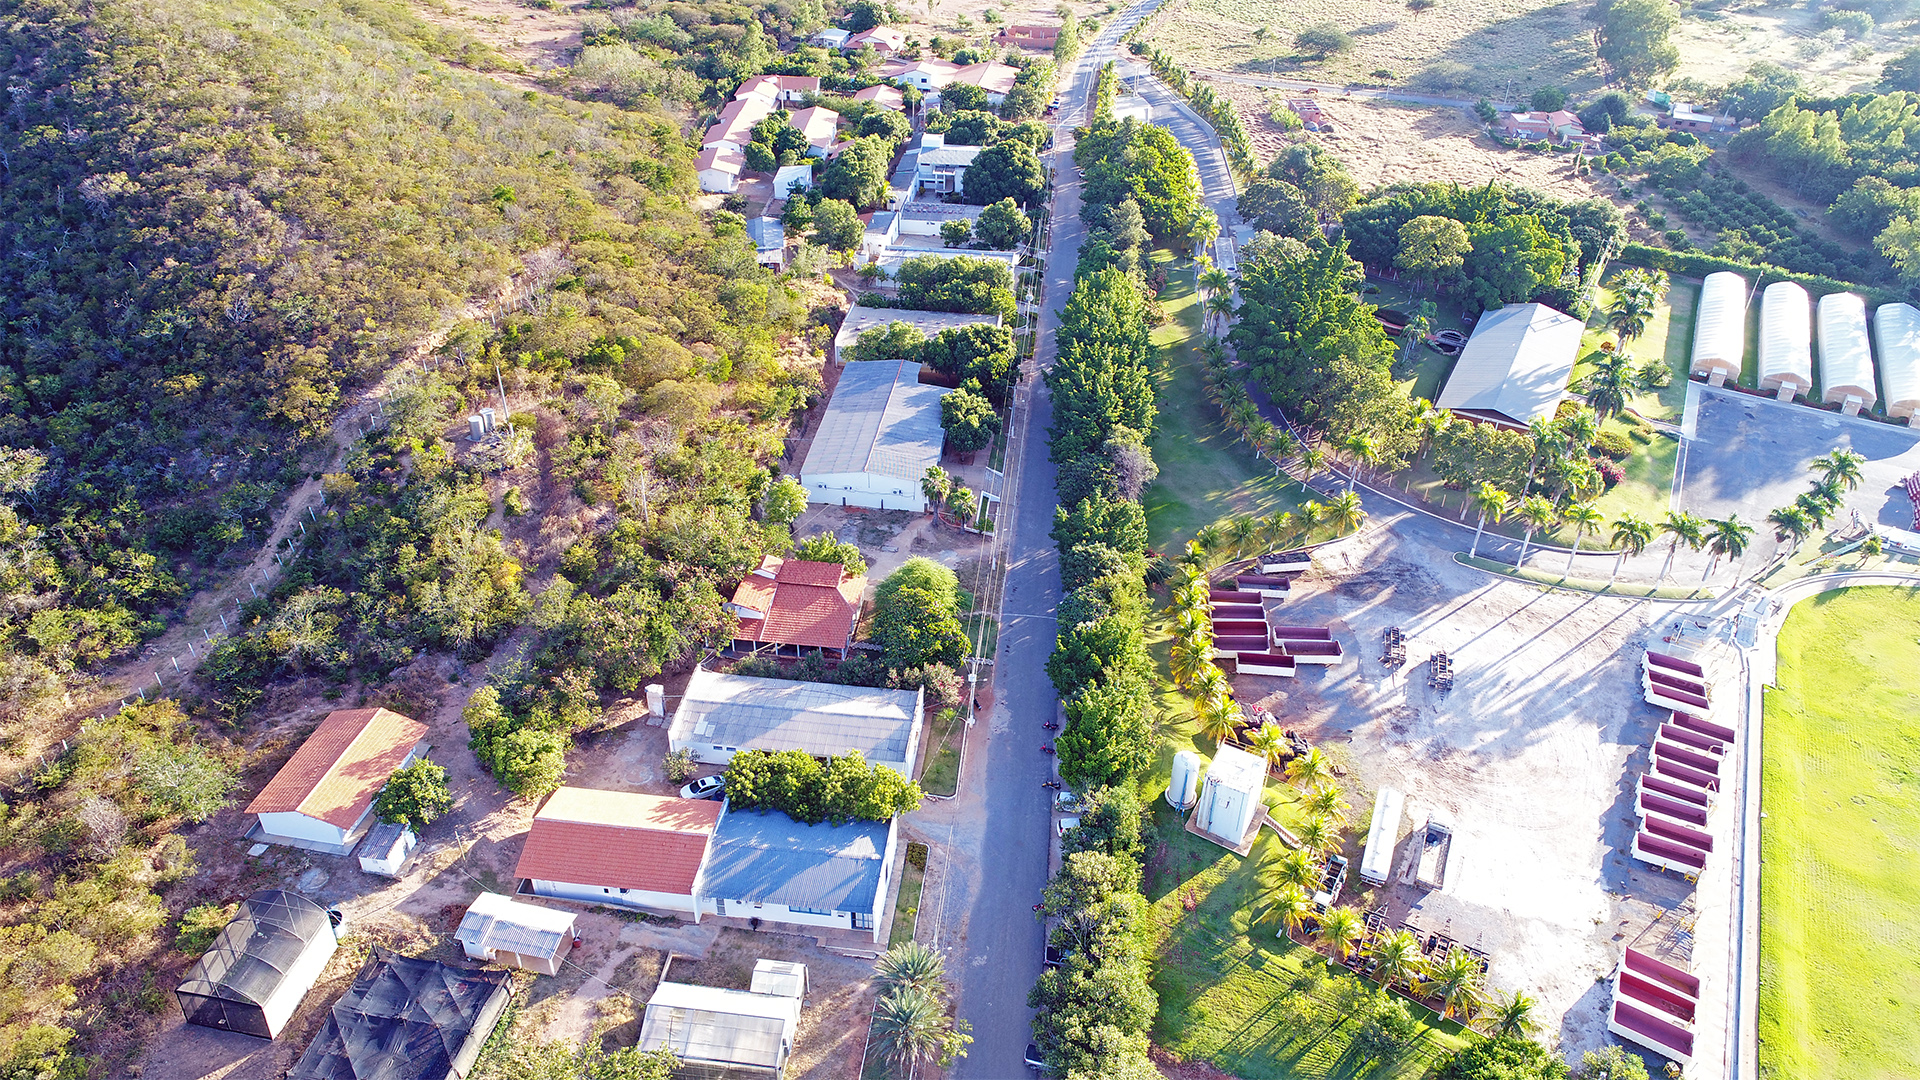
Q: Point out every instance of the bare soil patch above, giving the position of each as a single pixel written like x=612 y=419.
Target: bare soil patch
x=833 y=1023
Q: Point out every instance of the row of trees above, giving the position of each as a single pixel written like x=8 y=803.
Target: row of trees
x=959 y=283
x=913 y=1022
x=795 y=783
x=979 y=353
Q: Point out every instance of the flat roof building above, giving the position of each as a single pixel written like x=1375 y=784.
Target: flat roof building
x=721 y=714
x=880 y=435
x=1515 y=367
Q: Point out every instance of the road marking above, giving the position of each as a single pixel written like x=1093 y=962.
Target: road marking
x=1025 y=615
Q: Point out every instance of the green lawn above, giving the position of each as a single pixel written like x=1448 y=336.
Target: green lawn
x=941 y=774
x=906 y=909
x=1669 y=335
x=1840 y=795
x=1205 y=473
x=1422 y=374
x=1547 y=576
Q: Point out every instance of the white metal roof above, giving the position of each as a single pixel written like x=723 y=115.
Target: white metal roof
x=882 y=420
x=1786 y=333
x=785 y=978
x=1896 y=334
x=1846 y=361
x=1516 y=365
x=1720 y=325
x=495 y=921
x=824 y=719
x=1237 y=770
x=1377 y=861
x=709 y=1024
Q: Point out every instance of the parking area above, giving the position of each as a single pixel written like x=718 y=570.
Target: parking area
x=1748 y=455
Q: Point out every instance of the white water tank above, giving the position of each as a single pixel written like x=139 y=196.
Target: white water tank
x=1185 y=784
x=476 y=428
x=656 y=700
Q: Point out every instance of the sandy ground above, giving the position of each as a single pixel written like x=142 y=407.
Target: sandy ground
x=1533 y=753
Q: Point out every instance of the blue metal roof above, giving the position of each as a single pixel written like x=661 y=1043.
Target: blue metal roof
x=769 y=858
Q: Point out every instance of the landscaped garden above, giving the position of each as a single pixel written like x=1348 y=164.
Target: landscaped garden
x=1840 y=799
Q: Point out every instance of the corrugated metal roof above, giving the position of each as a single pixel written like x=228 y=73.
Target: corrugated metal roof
x=500 y=922
x=949 y=155
x=767 y=233
x=707 y=1024
x=1516 y=365
x=881 y=420
x=780 y=714
x=769 y=858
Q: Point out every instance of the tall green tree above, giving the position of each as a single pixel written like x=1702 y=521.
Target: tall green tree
x=1634 y=39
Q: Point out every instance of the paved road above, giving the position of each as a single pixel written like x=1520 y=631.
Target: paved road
x=1000 y=957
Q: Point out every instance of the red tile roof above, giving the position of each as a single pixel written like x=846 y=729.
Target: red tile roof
x=619 y=840
x=811 y=604
x=340 y=768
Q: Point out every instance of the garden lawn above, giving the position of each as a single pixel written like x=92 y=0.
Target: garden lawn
x=1205 y=473
x=1669 y=335
x=941 y=774
x=906 y=907
x=1422 y=374
x=1840 y=795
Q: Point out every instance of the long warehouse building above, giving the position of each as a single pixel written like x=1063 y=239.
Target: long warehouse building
x=1846 y=361
x=1896 y=334
x=1786 y=335
x=1720 y=331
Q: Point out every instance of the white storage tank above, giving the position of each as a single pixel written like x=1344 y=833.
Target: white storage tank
x=1185 y=783
x=1720 y=328
x=1231 y=797
x=1846 y=362
x=1786 y=333
x=1896 y=336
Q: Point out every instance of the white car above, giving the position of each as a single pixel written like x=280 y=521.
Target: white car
x=707 y=787
x=1066 y=823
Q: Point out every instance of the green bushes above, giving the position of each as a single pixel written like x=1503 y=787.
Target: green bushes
x=415 y=796
x=1698 y=264
x=959 y=283
x=796 y=784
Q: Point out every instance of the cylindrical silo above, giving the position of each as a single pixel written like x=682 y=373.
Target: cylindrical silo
x=1720 y=328
x=1896 y=336
x=1786 y=333
x=1846 y=361
x=1184 y=787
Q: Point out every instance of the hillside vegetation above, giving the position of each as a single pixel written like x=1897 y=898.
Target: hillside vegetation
x=222 y=223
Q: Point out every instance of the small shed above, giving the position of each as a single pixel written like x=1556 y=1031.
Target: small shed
x=1896 y=334
x=714 y=1032
x=260 y=966
x=1846 y=360
x=783 y=978
x=769 y=238
x=1720 y=329
x=502 y=930
x=791 y=178
x=1786 y=336
x=387 y=848
x=1230 y=798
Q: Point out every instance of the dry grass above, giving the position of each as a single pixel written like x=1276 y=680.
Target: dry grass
x=1457 y=49
x=1717 y=47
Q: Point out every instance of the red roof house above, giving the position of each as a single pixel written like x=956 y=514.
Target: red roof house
x=794 y=605
x=621 y=848
x=322 y=798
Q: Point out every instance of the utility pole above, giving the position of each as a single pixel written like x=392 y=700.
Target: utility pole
x=502 y=384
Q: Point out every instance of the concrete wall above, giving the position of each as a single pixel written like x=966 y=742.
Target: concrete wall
x=865 y=489
x=628 y=898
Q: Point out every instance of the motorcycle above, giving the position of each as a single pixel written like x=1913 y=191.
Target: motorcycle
x=1050 y=785
x=1051 y=726
x=1046 y=748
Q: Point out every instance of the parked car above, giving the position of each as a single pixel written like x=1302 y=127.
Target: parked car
x=1035 y=1060
x=707 y=787
x=1066 y=823
x=1057 y=955
x=1065 y=800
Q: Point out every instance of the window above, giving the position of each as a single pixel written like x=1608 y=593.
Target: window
x=862 y=920
x=809 y=910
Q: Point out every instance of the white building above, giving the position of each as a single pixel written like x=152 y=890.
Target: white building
x=831 y=38
x=501 y=930
x=1786 y=340
x=619 y=848
x=387 y=848
x=719 y=169
x=722 y=1033
x=791 y=178
x=769 y=241
x=322 y=798
x=941 y=168
x=884 y=95
x=767 y=866
x=879 y=436
x=1846 y=360
x=818 y=125
x=780 y=89
x=1720 y=329
x=1231 y=795
x=1896 y=332
x=1515 y=366
x=720 y=714
x=261 y=965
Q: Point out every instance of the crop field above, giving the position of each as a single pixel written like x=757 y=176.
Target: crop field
x=1454 y=49
x=1840 y=800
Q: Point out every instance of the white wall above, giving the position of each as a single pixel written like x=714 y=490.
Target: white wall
x=710 y=754
x=596 y=894
x=297 y=826
x=717 y=181
x=865 y=489
x=299 y=979
x=737 y=909
x=379 y=862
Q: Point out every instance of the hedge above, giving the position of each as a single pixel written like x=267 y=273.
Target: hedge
x=1700 y=264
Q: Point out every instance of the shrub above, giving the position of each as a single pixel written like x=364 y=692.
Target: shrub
x=1610 y=472
x=794 y=783
x=678 y=765
x=1323 y=39
x=197 y=928
x=414 y=796
x=1613 y=444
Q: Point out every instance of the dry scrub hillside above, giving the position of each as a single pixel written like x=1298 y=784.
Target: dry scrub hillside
x=1717 y=47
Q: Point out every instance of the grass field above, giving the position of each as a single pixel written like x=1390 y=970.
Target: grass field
x=941 y=776
x=1669 y=335
x=906 y=908
x=1840 y=796
x=1205 y=473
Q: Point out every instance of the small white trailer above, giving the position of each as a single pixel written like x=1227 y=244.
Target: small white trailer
x=1376 y=862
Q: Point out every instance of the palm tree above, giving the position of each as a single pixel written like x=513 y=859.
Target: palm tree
x=1291 y=908
x=1344 y=512
x=911 y=964
x=1684 y=528
x=1276 y=527
x=1312 y=460
x=1339 y=928
x=1817 y=509
x=1631 y=535
x=1212 y=540
x=1361 y=450
x=1296 y=870
x=1581 y=427
x=1831 y=491
x=1280 y=446
x=1636 y=294
x=1455 y=980
x=1492 y=503
x=1326 y=801
x=1582 y=516
x=1210 y=682
x=1311 y=515
x=1538 y=514
x=1187 y=659
x=1243 y=530
x=1727 y=538
x=1842 y=466
x=936 y=485
x=1790 y=521
x=1397 y=958
x=1219 y=716
x=1318 y=835
x=1215 y=281
x=1546 y=443
x=911 y=1030
x=1512 y=1016
x=1269 y=742
x=1310 y=770
x=1220 y=307
x=1611 y=383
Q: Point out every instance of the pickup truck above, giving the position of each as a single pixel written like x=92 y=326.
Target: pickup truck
x=1434 y=848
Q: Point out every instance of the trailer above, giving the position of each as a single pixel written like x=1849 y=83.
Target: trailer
x=1376 y=861
x=1262 y=585
x=1434 y=849
x=1333 y=878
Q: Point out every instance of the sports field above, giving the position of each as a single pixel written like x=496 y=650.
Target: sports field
x=1840 y=842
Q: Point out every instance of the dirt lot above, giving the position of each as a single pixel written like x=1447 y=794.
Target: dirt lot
x=1533 y=754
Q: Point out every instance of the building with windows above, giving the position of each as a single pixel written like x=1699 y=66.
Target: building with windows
x=322 y=798
x=619 y=848
x=768 y=866
x=1515 y=367
x=879 y=436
